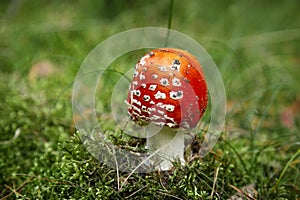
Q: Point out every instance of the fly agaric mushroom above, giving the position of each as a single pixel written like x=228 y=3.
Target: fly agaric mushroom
x=169 y=90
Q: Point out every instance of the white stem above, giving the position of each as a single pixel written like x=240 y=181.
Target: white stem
x=169 y=145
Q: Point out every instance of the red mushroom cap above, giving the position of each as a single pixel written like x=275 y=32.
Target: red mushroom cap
x=168 y=89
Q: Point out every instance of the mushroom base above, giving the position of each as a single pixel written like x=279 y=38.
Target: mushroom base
x=168 y=144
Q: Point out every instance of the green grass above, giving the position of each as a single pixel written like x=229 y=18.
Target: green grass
x=255 y=44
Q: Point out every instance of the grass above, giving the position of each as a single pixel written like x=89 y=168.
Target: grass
x=255 y=46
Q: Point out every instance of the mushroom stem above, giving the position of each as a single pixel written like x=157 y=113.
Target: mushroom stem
x=168 y=144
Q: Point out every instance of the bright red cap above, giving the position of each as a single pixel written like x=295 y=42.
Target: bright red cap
x=168 y=89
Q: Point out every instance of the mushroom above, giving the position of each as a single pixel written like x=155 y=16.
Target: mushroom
x=168 y=90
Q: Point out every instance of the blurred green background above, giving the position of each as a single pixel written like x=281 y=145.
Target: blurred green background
x=255 y=44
